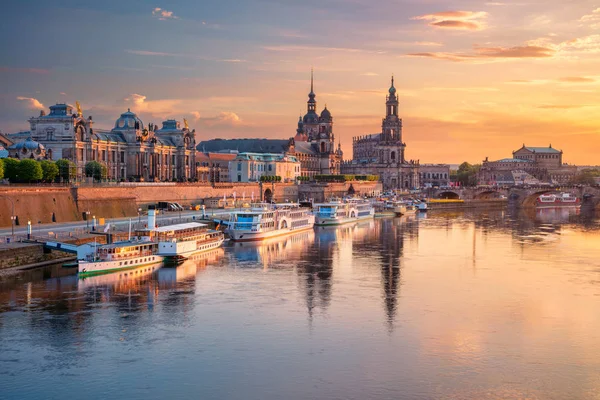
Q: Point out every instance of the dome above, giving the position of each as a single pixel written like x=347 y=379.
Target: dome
x=325 y=114
x=392 y=88
x=128 y=120
x=28 y=144
x=311 y=118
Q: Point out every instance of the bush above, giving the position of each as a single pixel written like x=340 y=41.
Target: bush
x=29 y=170
x=49 y=170
x=95 y=170
x=66 y=169
x=11 y=169
x=1 y=169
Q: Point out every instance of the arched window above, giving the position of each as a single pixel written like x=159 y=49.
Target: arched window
x=393 y=155
x=322 y=147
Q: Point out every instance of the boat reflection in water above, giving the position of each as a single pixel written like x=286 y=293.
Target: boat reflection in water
x=120 y=281
x=169 y=276
x=270 y=250
x=556 y=215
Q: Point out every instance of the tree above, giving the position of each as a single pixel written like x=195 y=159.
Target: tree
x=66 y=169
x=29 y=170
x=1 y=169
x=49 y=170
x=11 y=169
x=467 y=174
x=586 y=177
x=95 y=170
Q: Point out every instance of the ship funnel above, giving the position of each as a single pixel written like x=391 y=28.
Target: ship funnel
x=151 y=217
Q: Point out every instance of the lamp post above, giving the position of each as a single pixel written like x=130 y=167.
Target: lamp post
x=87 y=220
x=139 y=215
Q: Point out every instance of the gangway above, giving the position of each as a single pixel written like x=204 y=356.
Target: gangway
x=66 y=247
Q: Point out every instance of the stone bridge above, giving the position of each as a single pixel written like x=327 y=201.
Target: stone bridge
x=520 y=196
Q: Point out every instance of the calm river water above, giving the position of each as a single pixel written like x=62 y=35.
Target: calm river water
x=482 y=305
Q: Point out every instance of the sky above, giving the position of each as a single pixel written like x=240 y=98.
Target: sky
x=475 y=79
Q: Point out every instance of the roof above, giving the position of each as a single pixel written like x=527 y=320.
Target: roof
x=3 y=152
x=547 y=150
x=305 y=148
x=179 y=227
x=215 y=156
x=514 y=160
x=244 y=145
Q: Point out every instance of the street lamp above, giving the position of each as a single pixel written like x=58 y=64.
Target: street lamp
x=87 y=220
x=139 y=215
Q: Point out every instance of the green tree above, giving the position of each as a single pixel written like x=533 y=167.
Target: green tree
x=29 y=170
x=467 y=174
x=1 y=169
x=11 y=169
x=96 y=170
x=49 y=170
x=66 y=169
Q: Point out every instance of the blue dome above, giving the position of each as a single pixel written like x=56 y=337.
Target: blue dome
x=128 y=120
x=28 y=144
x=325 y=114
x=311 y=118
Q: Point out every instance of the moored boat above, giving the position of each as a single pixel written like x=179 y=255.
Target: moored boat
x=179 y=242
x=552 y=200
x=338 y=212
x=119 y=256
x=265 y=221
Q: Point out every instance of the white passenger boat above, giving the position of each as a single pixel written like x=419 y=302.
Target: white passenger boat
x=119 y=256
x=264 y=221
x=558 y=200
x=338 y=212
x=179 y=242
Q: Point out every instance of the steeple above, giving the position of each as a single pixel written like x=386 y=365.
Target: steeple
x=391 y=101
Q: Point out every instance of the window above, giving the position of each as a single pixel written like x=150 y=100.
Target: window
x=239 y=178
x=122 y=156
x=239 y=166
x=270 y=168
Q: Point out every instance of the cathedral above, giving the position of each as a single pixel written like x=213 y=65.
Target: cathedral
x=130 y=151
x=313 y=145
x=382 y=154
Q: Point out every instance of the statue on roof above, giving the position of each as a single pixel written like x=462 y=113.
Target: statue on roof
x=185 y=123
x=79 y=112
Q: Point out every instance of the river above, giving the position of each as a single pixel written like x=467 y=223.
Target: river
x=450 y=305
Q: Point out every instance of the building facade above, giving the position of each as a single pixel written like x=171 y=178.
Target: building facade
x=529 y=165
x=213 y=167
x=250 y=167
x=434 y=175
x=130 y=151
x=383 y=154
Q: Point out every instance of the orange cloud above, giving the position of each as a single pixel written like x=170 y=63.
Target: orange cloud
x=576 y=79
x=163 y=14
x=491 y=53
x=463 y=20
x=592 y=20
x=32 y=103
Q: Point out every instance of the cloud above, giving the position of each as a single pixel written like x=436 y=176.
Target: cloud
x=223 y=118
x=165 y=54
x=26 y=70
x=431 y=44
x=162 y=108
x=163 y=14
x=370 y=74
x=462 y=20
x=487 y=54
x=63 y=94
x=196 y=115
x=33 y=104
x=592 y=20
x=560 y=106
x=576 y=79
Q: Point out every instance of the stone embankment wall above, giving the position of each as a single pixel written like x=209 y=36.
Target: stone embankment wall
x=37 y=204
x=23 y=255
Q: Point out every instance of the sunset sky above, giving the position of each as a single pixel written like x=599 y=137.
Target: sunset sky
x=475 y=79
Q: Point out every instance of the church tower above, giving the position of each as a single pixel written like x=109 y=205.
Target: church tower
x=311 y=118
x=391 y=128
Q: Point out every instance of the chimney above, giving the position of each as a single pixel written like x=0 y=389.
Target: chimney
x=151 y=217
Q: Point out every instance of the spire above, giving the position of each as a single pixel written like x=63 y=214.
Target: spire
x=311 y=79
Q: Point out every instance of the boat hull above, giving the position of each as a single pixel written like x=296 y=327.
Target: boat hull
x=90 y=268
x=321 y=221
x=184 y=250
x=249 y=236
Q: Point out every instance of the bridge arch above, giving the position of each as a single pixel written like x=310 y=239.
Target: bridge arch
x=529 y=200
x=488 y=195
x=448 y=195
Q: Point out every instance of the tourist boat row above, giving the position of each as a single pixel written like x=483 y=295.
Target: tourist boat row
x=151 y=246
x=552 y=200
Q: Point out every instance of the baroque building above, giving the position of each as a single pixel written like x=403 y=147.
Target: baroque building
x=313 y=145
x=528 y=165
x=382 y=153
x=130 y=150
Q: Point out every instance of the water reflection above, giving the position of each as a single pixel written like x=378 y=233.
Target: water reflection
x=484 y=301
